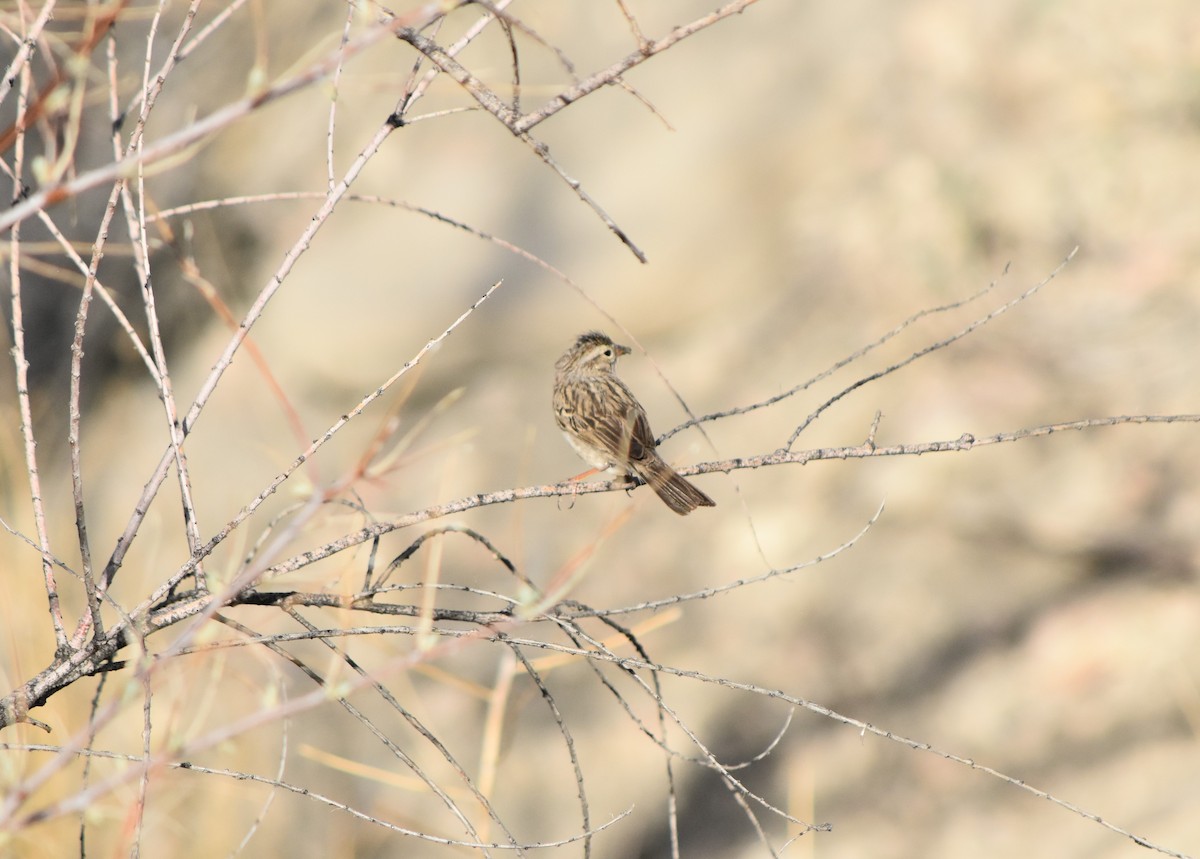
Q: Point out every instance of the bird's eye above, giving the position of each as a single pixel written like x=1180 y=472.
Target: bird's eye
x=608 y=353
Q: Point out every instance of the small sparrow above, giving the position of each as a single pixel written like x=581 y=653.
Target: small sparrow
x=607 y=426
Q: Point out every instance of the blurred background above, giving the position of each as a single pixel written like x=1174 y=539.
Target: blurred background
x=806 y=177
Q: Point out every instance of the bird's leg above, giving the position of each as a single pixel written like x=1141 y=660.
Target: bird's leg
x=631 y=481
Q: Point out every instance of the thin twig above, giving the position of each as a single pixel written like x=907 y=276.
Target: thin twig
x=868 y=728
x=21 y=365
x=333 y=99
x=135 y=219
x=856 y=355
x=194 y=132
x=315 y=796
x=931 y=348
x=409 y=762
x=799 y=457
x=20 y=61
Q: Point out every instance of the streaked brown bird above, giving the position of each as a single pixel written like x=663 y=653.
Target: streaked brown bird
x=607 y=426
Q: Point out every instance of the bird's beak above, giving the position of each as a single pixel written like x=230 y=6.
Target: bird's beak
x=621 y=350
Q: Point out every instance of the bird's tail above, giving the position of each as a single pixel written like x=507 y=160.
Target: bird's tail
x=676 y=493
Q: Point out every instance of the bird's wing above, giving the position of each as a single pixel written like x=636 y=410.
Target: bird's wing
x=619 y=426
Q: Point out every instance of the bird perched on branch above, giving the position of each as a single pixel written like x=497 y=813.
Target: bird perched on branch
x=607 y=426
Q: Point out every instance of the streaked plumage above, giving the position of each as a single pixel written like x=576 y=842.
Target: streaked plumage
x=607 y=426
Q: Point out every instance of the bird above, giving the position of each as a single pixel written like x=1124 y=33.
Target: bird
x=607 y=426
